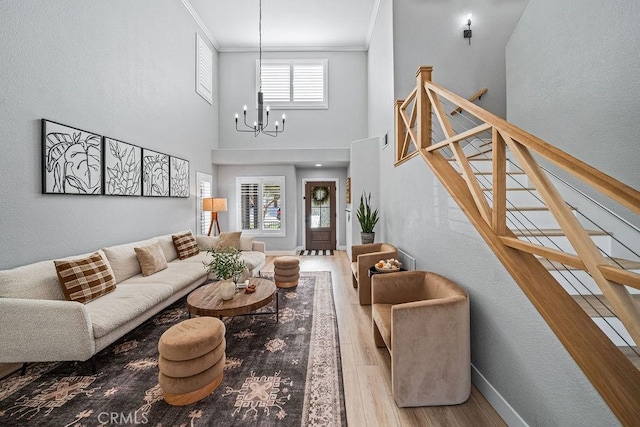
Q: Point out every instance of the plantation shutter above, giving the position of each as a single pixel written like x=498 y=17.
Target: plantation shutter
x=249 y=196
x=205 y=217
x=308 y=83
x=276 y=83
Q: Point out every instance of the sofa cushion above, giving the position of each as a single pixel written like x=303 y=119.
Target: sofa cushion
x=151 y=258
x=125 y=303
x=35 y=281
x=207 y=242
x=185 y=244
x=169 y=249
x=229 y=240
x=85 y=279
x=177 y=275
x=123 y=259
x=246 y=243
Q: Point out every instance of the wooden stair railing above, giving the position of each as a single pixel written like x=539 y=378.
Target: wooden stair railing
x=477 y=95
x=612 y=374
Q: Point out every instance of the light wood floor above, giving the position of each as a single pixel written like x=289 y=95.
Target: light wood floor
x=366 y=368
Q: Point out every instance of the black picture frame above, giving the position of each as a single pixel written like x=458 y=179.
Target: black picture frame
x=71 y=160
x=179 y=177
x=122 y=168
x=155 y=174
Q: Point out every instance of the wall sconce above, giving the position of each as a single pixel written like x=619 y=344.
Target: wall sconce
x=467 y=33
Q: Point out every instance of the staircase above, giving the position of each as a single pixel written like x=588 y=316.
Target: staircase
x=531 y=220
x=582 y=279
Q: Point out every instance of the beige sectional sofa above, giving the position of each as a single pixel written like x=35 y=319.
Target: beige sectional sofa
x=39 y=324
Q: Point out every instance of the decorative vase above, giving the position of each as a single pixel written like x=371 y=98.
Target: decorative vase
x=227 y=289
x=367 y=237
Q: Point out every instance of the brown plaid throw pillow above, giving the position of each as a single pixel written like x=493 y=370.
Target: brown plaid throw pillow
x=185 y=244
x=85 y=279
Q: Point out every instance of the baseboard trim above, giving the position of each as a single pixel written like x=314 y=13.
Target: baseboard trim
x=502 y=407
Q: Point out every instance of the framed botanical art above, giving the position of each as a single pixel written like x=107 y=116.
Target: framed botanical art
x=122 y=168
x=155 y=174
x=179 y=177
x=71 y=160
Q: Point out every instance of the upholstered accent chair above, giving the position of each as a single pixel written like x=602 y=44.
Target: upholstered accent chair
x=363 y=257
x=423 y=320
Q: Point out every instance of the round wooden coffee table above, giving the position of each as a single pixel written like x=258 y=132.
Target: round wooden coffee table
x=206 y=300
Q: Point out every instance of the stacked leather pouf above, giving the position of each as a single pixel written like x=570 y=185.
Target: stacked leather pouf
x=286 y=270
x=192 y=357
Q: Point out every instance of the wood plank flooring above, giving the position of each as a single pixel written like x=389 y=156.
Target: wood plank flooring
x=367 y=369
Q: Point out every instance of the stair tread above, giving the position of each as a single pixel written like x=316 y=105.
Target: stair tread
x=624 y=263
x=632 y=354
x=551 y=232
x=531 y=189
x=597 y=305
x=527 y=208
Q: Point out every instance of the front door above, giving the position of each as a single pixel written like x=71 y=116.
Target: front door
x=320 y=214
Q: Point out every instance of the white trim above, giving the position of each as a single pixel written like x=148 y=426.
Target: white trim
x=200 y=23
x=372 y=23
x=502 y=407
x=304 y=225
x=295 y=49
x=261 y=180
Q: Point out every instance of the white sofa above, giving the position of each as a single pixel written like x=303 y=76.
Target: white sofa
x=39 y=324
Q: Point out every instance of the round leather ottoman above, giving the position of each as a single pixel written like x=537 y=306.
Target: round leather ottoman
x=286 y=271
x=191 y=360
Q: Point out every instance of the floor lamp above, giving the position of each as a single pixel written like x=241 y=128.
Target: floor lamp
x=214 y=205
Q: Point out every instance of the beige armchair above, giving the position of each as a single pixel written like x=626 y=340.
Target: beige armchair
x=423 y=320
x=363 y=257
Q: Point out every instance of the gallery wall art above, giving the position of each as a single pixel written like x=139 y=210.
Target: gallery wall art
x=155 y=174
x=179 y=176
x=122 y=168
x=71 y=160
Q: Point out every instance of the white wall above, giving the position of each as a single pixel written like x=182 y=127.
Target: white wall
x=344 y=121
x=119 y=68
x=365 y=177
x=576 y=83
x=430 y=33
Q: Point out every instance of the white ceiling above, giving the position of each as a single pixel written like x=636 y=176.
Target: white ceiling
x=288 y=24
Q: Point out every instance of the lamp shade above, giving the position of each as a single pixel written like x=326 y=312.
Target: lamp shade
x=214 y=204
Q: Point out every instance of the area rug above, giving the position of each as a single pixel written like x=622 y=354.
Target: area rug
x=276 y=374
x=315 y=252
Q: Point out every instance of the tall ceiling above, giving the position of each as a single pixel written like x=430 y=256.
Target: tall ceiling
x=288 y=24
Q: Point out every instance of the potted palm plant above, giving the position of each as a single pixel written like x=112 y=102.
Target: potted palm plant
x=367 y=218
x=227 y=266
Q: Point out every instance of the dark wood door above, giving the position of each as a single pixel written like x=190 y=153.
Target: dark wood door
x=320 y=214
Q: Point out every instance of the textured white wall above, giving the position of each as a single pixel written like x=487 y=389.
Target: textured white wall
x=344 y=121
x=573 y=80
x=119 y=68
x=430 y=33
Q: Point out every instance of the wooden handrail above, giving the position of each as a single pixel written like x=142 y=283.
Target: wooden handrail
x=611 y=373
x=477 y=95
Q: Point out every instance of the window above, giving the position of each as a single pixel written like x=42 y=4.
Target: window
x=294 y=84
x=203 y=218
x=261 y=205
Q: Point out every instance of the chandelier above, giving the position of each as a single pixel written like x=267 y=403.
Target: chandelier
x=260 y=126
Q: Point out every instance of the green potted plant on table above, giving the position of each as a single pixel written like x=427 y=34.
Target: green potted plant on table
x=367 y=218
x=227 y=266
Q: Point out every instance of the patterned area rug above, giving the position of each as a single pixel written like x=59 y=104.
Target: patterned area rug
x=276 y=374
x=315 y=252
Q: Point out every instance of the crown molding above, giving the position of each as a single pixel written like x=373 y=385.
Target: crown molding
x=372 y=23
x=201 y=24
x=295 y=49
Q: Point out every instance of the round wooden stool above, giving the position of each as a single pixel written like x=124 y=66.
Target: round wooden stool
x=286 y=270
x=191 y=360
